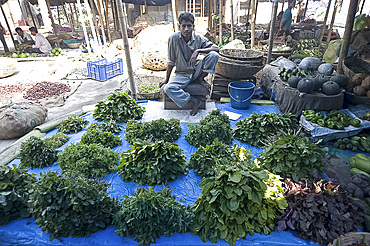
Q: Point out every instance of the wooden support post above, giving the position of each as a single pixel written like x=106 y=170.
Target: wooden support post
x=101 y=21
x=94 y=32
x=362 y=6
x=253 y=23
x=174 y=16
x=84 y=28
x=58 y=15
x=92 y=7
x=127 y=49
x=214 y=25
x=347 y=34
x=7 y=24
x=332 y=23
x=23 y=15
x=51 y=18
x=194 y=8
x=113 y=14
x=10 y=12
x=220 y=21
x=146 y=7
x=30 y=12
x=272 y=30
x=232 y=19
x=75 y=9
x=324 y=24
x=305 y=10
x=65 y=13
x=107 y=21
x=210 y=10
x=159 y=13
x=72 y=18
x=248 y=15
x=282 y=6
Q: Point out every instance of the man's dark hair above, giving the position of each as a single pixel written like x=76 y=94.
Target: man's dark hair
x=186 y=16
x=33 y=29
x=18 y=29
x=290 y=1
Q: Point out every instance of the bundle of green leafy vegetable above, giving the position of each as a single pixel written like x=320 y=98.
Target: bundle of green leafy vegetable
x=239 y=199
x=119 y=107
x=147 y=215
x=167 y=130
x=70 y=205
x=319 y=211
x=152 y=163
x=91 y=161
x=34 y=153
x=110 y=126
x=206 y=159
x=56 y=140
x=292 y=156
x=72 y=124
x=258 y=127
x=95 y=136
x=14 y=193
x=215 y=125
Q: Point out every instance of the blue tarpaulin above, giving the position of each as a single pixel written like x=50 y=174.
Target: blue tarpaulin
x=185 y=188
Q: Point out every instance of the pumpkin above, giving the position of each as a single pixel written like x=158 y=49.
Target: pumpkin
x=293 y=81
x=330 y=88
x=326 y=69
x=306 y=85
x=366 y=83
x=341 y=80
x=358 y=78
x=309 y=63
x=359 y=91
x=319 y=81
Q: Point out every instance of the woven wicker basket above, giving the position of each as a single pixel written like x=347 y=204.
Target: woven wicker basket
x=352 y=237
x=351 y=60
x=141 y=80
x=7 y=67
x=154 y=60
x=244 y=55
x=74 y=45
x=235 y=70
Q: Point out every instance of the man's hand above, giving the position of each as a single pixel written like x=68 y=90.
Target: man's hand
x=163 y=83
x=193 y=58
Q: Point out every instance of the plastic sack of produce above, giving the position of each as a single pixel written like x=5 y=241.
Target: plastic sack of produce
x=18 y=119
x=331 y=53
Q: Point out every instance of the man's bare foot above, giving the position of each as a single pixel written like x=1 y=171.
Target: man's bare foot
x=196 y=104
x=205 y=84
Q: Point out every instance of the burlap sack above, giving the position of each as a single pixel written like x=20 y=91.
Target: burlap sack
x=18 y=119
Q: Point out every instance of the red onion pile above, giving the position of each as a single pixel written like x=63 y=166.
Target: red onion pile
x=46 y=89
x=8 y=91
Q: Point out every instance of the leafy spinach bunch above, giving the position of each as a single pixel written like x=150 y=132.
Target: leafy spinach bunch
x=152 y=163
x=238 y=200
x=167 y=130
x=147 y=215
x=258 y=127
x=14 y=193
x=72 y=124
x=70 y=205
x=106 y=126
x=91 y=161
x=292 y=156
x=107 y=139
x=119 y=107
x=206 y=159
x=215 y=125
x=36 y=153
x=56 y=140
x=320 y=211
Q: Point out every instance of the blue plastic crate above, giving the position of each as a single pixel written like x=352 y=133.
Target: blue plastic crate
x=103 y=70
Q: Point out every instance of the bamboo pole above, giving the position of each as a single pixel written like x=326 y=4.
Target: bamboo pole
x=101 y=20
x=282 y=6
x=253 y=23
x=232 y=19
x=272 y=30
x=324 y=24
x=94 y=32
x=220 y=21
x=51 y=18
x=146 y=7
x=58 y=15
x=127 y=49
x=74 y=6
x=159 y=13
x=29 y=9
x=10 y=12
x=88 y=46
x=194 y=8
x=248 y=15
x=347 y=34
x=362 y=6
x=65 y=13
x=107 y=21
x=72 y=18
x=92 y=7
x=210 y=10
x=174 y=17
x=23 y=15
x=305 y=10
x=7 y=24
x=332 y=23
x=113 y=14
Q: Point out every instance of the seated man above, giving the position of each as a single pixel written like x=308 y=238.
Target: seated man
x=183 y=50
x=23 y=37
x=41 y=45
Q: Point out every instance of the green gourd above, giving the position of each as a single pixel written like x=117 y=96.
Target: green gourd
x=330 y=88
x=306 y=85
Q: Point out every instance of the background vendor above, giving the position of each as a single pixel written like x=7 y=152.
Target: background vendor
x=23 y=37
x=41 y=45
x=286 y=21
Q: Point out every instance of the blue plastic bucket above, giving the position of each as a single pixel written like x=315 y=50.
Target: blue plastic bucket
x=241 y=93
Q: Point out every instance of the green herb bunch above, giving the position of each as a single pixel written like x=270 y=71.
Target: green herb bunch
x=35 y=153
x=258 y=127
x=14 y=193
x=56 y=140
x=147 y=215
x=95 y=136
x=152 y=163
x=215 y=125
x=119 y=107
x=91 y=161
x=71 y=206
x=72 y=124
x=238 y=200
x=292 y=156
x=167 y=130
x=206 y=159
x=320 y=211
x=149 y=89
x=110 y=126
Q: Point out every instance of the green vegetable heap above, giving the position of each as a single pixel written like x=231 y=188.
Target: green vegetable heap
x=238 y=200
x=285 y=74
x=333 y=120
x=213 y=126
x=119 y=107
x=14 y=193
x=167 y=130
x=107 y=139
x=110 y=126
x=258 y=127
x=71 y=206
x=306 y=48
x=35 y=153
x=206 y=159
x=292 y=156
x=147 y=215
x=355 y=143
x=72 y=124
x=149 y=89
x=56 y=140
x=152 y=163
